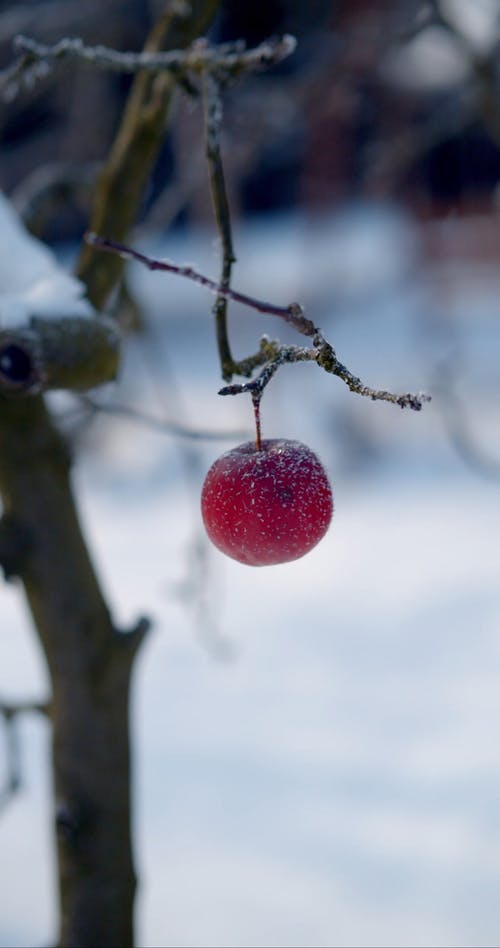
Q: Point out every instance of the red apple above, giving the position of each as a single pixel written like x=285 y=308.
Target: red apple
x=267 y=505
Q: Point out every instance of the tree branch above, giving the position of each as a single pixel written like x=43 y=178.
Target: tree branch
x=326 y=357
x=71 y=352
x=232 y=59
x=213 y=117
x=460 y=426
x=293 y=314
x=271 y=354
x=125 y=175
x=161 y=425
x=9 y=712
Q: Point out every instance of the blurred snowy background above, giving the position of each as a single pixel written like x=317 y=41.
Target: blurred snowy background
x=316 y=745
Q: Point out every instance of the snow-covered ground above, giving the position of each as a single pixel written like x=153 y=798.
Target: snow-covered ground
x=316 y=744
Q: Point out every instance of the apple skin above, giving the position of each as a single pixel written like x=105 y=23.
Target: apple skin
x=266 y=506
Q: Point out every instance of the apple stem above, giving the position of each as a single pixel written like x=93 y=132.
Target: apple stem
x=256 y=396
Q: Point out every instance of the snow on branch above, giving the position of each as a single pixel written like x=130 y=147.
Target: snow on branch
x=50 y=335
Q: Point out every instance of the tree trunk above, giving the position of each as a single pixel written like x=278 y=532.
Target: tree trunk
x=89 y=663
x=89 y=660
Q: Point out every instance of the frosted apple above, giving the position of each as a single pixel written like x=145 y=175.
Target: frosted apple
x=267 y=505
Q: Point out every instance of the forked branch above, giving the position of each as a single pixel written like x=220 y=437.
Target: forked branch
x=271 y=354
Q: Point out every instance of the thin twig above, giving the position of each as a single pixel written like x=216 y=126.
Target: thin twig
x=292 y=314
x=230 y=58
x=9 y=712
x=459 y=425
x=162 y=426
x=282 y=356
x=326 y=357
x=197 y=590
x=212 y=107
x=271 y=354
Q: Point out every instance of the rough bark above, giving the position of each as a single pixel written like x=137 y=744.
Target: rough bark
x=89 y=664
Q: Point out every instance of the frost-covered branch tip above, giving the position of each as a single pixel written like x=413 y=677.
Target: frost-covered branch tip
x=229 y=59
x=271 y=354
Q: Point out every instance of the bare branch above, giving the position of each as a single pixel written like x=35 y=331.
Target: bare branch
x=293 y=314
x=9 y=709
x=161 y=425
x=70 y=352
x=326 y=357
x=459 y=425
x=277 y=356
x=271 y=354
x=130 y=640
x=9 y=712
x=213 y=118
x=49 y=186
x=231 y=59
x=136 y=145
x=196 y=591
